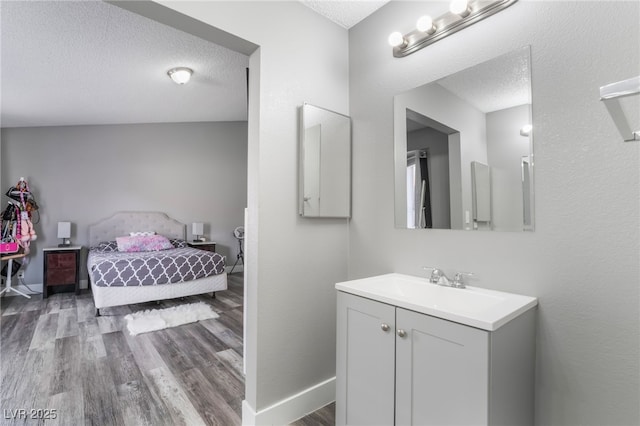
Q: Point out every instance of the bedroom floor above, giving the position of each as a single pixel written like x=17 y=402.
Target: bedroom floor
x=55 y=355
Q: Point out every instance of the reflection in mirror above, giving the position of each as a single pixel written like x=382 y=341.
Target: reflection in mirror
x=463 y=154
x=325 y=163
x=527 y=194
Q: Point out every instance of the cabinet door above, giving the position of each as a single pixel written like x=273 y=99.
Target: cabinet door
x=60 y=268
x=365 y=362
x=442 y=372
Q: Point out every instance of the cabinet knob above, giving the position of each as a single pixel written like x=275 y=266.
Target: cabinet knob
x=402 y=333
x=384 y=327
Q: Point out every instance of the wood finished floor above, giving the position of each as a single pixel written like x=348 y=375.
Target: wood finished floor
x=325 y=416
x=55 y=354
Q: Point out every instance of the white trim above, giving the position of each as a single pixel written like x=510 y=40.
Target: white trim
x=33 y=289
x=62 y=248
x=239 y=268
x=293 y=408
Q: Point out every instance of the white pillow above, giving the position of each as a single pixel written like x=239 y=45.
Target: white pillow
x=141 y=233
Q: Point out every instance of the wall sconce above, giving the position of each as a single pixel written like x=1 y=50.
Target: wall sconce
x=180 y=75
x=197 y=229
x=64 y=233
x=462 y=13
x=526 y=130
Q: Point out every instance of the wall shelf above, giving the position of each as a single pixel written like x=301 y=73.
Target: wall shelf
x=627 y=122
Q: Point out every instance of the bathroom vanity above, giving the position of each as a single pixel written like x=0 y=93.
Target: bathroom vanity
x=411 y=352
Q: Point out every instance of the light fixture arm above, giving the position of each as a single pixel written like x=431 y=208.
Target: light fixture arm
x=450 y=23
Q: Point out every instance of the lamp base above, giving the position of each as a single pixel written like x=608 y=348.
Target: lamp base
x=65 y=243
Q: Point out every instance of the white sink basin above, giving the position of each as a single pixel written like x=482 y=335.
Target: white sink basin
x=473 y=306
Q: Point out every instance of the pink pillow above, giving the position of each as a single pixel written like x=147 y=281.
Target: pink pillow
x=143 y=243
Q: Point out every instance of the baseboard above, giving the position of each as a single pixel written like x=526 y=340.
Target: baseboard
x=36 y=288
x=238 y=269
x=292 y=408
x=32 y=290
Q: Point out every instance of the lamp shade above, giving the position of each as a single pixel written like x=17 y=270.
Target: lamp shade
x=197 y=228
x=64 y=229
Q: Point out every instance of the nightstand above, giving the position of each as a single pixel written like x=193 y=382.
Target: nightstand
x=61 y=270
x=203 y=245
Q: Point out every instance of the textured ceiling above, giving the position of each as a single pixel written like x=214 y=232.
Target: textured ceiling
x=494 y=85
x=90 y=62
x=345 y=13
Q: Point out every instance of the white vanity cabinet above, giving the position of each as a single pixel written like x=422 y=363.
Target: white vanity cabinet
x=397 y=366
x=365 y=364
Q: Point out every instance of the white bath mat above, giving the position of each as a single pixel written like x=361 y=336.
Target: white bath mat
x=158 y=319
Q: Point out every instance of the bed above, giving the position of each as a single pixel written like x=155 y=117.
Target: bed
x=116 y=284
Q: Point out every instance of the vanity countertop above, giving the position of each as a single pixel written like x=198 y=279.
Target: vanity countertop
x=472 y=306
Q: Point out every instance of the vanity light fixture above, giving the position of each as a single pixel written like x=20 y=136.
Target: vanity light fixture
x=460 y=7
x=396 y=40
x=462 y=13
x=180 y=75
x=425 y=25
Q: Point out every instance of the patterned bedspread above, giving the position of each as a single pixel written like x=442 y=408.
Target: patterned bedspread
x=116 y=269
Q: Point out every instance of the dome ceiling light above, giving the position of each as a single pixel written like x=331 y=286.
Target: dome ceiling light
x=180 y=75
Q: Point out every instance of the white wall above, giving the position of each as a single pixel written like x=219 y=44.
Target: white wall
x=194 y=172
x=293 y=262
x=583 y=260
x=505 y=149
x=439 y=104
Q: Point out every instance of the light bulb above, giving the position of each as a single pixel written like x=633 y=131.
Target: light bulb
x=459 y=7
x=180 y=75
x=526 y=130
x=396 y=39
x=425 y=24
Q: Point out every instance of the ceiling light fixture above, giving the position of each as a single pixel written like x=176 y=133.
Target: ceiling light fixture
x=462 y=13
x=180 y=75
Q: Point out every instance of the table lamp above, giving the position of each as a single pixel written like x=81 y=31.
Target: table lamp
x=197 y=229
x=64 y=233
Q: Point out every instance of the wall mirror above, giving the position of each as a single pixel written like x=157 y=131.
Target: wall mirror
x=463 y=149
x=325 y=163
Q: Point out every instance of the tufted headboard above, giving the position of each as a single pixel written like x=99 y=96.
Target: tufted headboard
x=121 y=223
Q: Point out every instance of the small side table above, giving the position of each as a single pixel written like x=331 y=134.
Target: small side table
x=10 y=258
x=61 y=270
x=203 y=245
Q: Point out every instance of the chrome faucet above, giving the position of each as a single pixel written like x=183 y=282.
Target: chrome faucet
x=440 y=278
